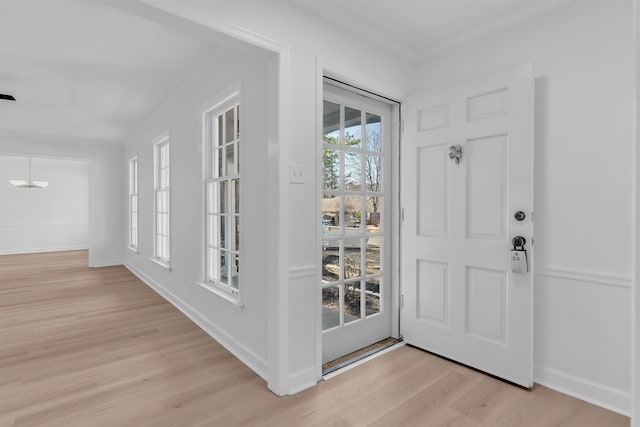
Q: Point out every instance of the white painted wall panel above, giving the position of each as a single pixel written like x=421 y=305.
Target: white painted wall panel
x=583 y=62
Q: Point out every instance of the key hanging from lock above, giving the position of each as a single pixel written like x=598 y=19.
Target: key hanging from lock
x=519 y=262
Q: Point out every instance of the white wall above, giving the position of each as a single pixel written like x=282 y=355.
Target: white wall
x=106 y=203
x=40 y=220
x=242 y=331
x=583 y=62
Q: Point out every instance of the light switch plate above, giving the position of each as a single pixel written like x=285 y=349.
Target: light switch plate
x=296 y=174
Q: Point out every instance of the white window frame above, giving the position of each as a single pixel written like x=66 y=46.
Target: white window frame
x=214 y=280
x=162 y=190
x=134 y=206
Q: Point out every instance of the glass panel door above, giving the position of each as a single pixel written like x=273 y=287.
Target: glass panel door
x=355 y=160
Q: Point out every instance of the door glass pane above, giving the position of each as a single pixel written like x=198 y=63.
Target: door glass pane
x=372 y=255
x=352 y=127
x=373 y=173
x=331 y=169
x=373 y=208
x=352 y=214
x=352 y=257
x=331 y=123
x=330 y=215
x=374 y=139
x=352 y=298
x=330 y=307
x=331 y=260
x=372 y=298
x=352 y=171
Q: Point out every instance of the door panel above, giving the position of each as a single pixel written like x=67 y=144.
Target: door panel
x=461 y=299
x=356 y=155
x=433 y=191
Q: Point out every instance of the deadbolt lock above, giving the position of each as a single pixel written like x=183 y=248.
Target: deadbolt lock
x=519 y=216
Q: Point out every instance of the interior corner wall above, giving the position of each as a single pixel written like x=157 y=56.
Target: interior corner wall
x=106 y=201
x=241 y=331
x=583 y=63
x=55 y=218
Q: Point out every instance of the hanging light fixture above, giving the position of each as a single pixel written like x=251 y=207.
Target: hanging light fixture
x=20 y=183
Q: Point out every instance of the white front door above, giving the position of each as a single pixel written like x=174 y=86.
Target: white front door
x=356 y=184
x=461 y=298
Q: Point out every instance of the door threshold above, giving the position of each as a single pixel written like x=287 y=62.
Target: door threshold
x=357 y=358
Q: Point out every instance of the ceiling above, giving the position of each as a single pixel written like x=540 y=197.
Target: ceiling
x=92 y=70
x=418 y=29
x=88 y=71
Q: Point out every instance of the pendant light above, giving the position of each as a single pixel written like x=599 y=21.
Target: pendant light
x=20 y=183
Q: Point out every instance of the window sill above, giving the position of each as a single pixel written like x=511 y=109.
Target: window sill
x=235 y=301
x=134 y=250
x=162 y=264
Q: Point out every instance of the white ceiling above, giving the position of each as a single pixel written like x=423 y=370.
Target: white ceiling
x=92 y=70
x=418 y=29
x=89 y=71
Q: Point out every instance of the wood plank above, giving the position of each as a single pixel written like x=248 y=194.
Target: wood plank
x=97 y=347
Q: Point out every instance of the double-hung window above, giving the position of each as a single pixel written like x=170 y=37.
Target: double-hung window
x=133 y=204
x=222 y=194
x=161 y=249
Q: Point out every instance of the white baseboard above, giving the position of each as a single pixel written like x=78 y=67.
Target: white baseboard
x=40 y=250
x=302 y=380
x=105 y=262
x=607 y=397
x=246 y=356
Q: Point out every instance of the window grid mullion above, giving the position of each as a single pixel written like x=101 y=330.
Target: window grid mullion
x=218 y=178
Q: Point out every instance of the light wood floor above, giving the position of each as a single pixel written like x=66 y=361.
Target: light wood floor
x=97 y=347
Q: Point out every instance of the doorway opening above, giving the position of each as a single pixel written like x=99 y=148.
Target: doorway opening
x=357 y=201
x=50 y=217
